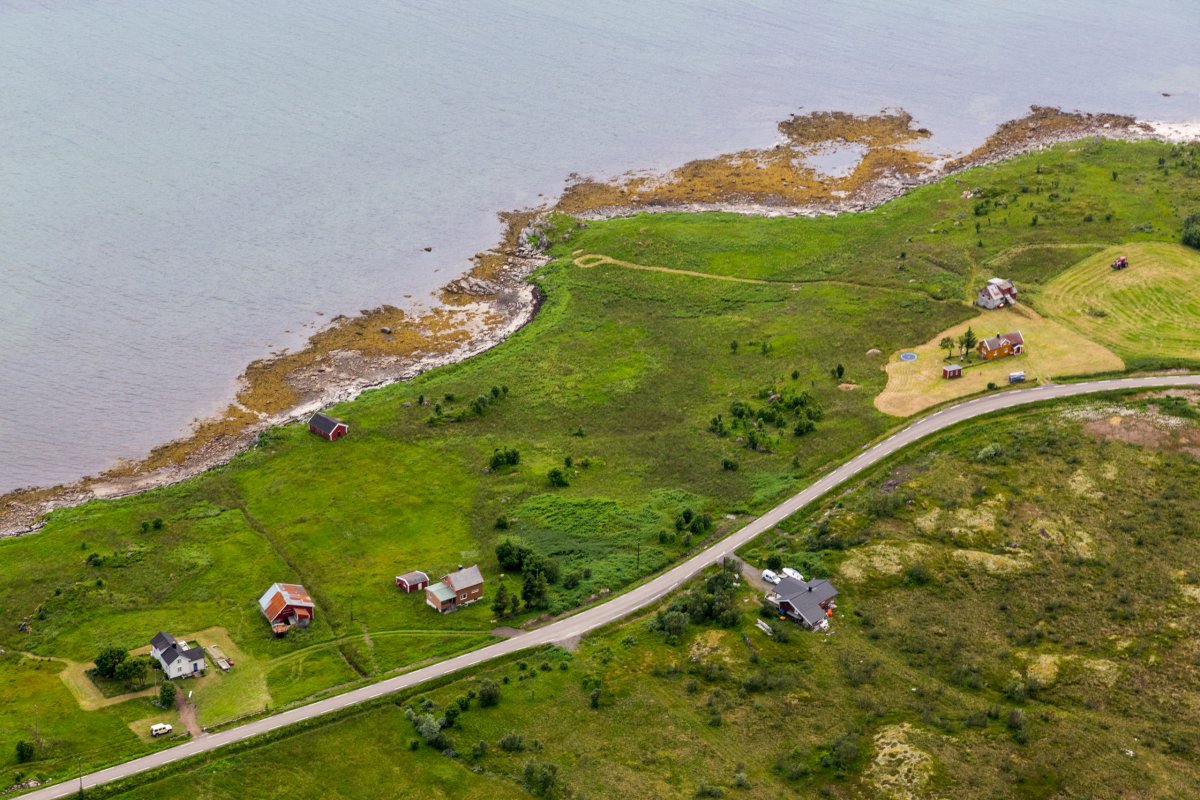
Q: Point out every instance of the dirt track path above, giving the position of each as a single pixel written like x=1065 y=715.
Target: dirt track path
x=597 y=260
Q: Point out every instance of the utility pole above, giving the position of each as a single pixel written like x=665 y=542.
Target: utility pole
x=37 y=736
x=352 y=608
x=79 y=764
x=638 y=569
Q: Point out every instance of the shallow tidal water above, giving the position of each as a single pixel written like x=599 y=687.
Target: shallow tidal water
x=185 y=187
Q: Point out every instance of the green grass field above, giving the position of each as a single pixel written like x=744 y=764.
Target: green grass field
x=1004 y=630
x=1147 y=312
x=622 y=371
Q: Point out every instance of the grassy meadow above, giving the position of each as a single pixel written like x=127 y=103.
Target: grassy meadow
x=1005 y=629
x=618 y=383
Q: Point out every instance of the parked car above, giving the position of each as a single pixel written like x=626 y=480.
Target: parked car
x=160 y=729
x=1016 y=377
x=788 y=572
x=770 y=577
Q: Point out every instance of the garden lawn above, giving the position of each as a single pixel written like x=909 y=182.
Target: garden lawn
x=1051 y=350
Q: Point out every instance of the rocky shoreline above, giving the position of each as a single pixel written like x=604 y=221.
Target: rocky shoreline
x=495 y=299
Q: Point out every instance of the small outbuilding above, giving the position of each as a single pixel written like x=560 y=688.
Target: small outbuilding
x=176 y=658
x=412 y=581
x=952 y=371
x=459 y=588
x=327 y=427
x=285 y=605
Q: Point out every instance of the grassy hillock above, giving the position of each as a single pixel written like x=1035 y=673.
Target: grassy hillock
x=1017 y=618
x=618 y=384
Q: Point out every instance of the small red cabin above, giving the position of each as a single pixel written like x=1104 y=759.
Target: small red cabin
x=412 y=581
x=327 y=427
x=952 y=371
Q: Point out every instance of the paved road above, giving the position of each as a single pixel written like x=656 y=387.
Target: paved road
x=631 y=601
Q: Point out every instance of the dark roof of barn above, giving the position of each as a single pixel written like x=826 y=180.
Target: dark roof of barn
x=324 y=423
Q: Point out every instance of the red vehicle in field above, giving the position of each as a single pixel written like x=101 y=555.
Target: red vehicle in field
x=1120 y=262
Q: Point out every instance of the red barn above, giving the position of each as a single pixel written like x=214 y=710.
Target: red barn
x=286 y=604
x=327 y=427
x=412 y=581
x=952 y=371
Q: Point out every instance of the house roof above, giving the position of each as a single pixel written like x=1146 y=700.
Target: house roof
x=324 y=423
x=991 y=291
x=790 y=588
x=806 y=597
x=952 y=366
x=281 y=596
x=162 y=641
x=416 y=576
x=1003 y=284
x=177 y=650
x=464 y=578
x=441 y=591
x=997 y=341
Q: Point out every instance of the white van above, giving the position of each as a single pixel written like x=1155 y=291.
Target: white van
x=788 y=572
x=770 y=577
x=160 y=729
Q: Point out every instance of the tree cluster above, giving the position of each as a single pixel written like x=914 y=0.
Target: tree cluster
x=780 y=409
x=965 y=344
x=115 y=663
x=715 y=602
x=537 y=573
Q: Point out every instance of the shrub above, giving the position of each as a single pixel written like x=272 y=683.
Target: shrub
x=25 y=751
x=917 y=574
x=842 y=754
x=775 y=562
x=502 y=523
x=512 y=742
x=1191 y=231
x=541 y=778
x=557 y=477
x=729 y=465
x=508 y=457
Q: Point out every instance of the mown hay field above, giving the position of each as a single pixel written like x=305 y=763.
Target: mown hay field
x=1149 y=311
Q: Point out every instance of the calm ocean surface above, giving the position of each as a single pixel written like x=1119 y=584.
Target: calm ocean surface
x=187 y=186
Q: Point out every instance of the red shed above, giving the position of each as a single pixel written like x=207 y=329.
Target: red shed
x=412 y=581
x=327 y=427
x=952 y=371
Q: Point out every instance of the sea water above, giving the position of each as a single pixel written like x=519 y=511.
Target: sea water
x=188 y=186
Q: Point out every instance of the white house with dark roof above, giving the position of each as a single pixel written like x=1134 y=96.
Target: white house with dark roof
x=176 y=658
x=998 y=292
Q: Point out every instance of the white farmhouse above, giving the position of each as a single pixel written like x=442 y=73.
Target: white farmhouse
x=176 y=658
